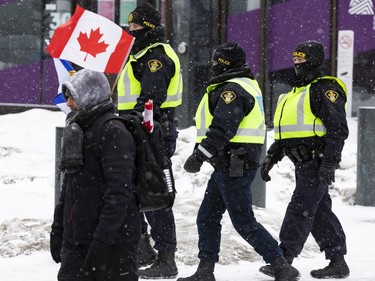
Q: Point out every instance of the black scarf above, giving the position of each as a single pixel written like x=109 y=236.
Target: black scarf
x=151 y=37
x=72 y=145
x=243 y=71
x=308 y=77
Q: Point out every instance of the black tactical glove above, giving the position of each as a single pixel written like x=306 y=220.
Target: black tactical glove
x=265 y=168
x=55 y=244
x=326 y=173
x=195 y=161
x=96 y=259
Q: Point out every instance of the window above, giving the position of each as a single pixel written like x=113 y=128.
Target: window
x=240 y=6
x=126 y=7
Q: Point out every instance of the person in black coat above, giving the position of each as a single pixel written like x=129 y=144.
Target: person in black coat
x=153 y=72
x=311 y=128
x=96 y=226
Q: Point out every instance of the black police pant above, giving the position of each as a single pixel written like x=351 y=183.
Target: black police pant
x=163 y=229
x=310 y=211
x=122 y=263
x=232 y=194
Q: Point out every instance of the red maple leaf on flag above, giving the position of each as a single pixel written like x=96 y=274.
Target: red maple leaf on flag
x=91 y=45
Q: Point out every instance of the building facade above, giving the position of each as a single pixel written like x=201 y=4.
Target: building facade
x=268 y=30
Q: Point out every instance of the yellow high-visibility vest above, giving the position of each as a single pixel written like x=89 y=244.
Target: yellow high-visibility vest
x=293 y=116
x=129 y=88
x=251 y=129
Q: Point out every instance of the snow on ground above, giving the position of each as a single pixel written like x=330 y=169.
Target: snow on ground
x=27 y=167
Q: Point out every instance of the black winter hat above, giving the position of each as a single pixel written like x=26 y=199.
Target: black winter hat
x=229 y=55
x=146 y=15
x=310 y=50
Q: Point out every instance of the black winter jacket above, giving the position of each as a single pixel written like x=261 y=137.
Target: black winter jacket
x=331 y=113
x=98 y=200
x=228 y=116
x=154 y=84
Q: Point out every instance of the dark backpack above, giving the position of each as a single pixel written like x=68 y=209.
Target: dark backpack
x=154 y=182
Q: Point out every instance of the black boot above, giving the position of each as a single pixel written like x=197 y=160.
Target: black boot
x=268 y=270
x=336 y=269
x=146 y=253
x=284 y=271
x=164 y=267
x=205 y=272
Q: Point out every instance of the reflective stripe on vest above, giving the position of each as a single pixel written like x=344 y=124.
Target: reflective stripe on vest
x=293 y=116
x=251 y=129
x=129 y=88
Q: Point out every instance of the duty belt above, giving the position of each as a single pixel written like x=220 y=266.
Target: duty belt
x=301 y=153
x=233 y=159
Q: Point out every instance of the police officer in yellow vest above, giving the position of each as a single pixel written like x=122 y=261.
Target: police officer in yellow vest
x=230 y=135
x=310 y=128
x=153 y=72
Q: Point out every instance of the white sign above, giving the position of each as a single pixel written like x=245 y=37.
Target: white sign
x=345 y=52
x=361 y=7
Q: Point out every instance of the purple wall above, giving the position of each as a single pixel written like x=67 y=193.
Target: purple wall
x=293 y=22
x=20 y=84
x=6 y=2
x=50 y=82
x=244 y=29
x=26 y=85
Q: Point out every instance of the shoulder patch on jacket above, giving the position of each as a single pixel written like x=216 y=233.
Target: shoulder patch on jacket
x=154 y=65
x=331 y=95
x=228 y=96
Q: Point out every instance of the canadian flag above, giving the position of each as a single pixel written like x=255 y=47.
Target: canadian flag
x=91 y=41
x=148 y=116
